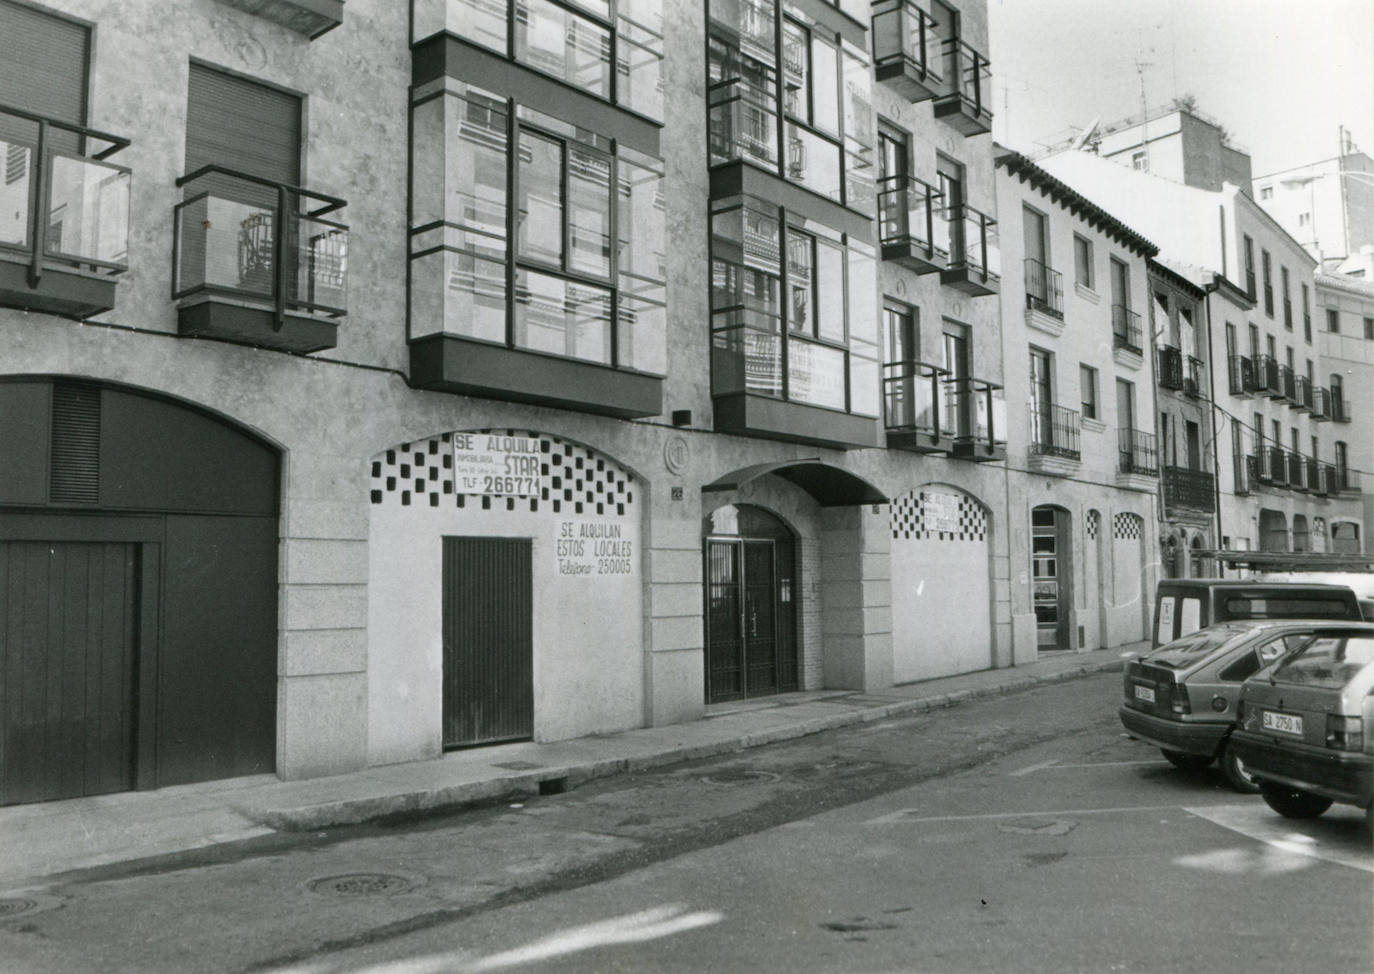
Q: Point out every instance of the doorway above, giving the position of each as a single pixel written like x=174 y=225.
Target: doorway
x=1051 y=577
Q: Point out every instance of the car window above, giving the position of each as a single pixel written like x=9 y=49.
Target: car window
x=1189 y=616
x=1247 y=665
x=1165 y=630
x=1328 y=661
x=1244 y=607
x=1204 y=641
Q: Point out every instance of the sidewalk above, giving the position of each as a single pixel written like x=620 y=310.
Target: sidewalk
x=55 y=837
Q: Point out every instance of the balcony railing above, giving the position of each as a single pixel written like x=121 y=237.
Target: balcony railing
x=978 y=418
x=907 y=50
x=1321 y=403
x=1054 y=431
x=1267 y=376
x=265 y=246
x=1125 y=329
x=1194 y=377
x=1288 y=381
x=1274 y=465
x=913 y=225
x=1044 y=289
x=1196 y=489
x=1339 y=407
x=1326 y=479
x=1136 y=452
x=975 y=261
x=1347 y=479
x=1244 y=471
x=1169 y=364
x=1312 y=474
x=1241 y=371
x=912 y=406
x=64 y=215
x=966 y=77
x=1297 y=471
x=1302 y=398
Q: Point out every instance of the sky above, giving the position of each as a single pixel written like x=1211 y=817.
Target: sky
x=1280 y=75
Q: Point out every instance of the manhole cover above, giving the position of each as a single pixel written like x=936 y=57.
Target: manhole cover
x=740 y=776
x=360 y=884
x=14 y=905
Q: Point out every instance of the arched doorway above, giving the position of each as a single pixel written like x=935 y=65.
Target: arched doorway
x=751 y=602
x=1128 y=578
x=1052 y=577
x=1273 y=531
x=1301 y=541
x=1201 y=565
x=1345 y=537
x=138 y=592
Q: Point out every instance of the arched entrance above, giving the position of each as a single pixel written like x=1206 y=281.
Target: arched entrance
x=1345 y=537
x=138 y=592
x=1301 y=541
x=1273 y=528
x=751 y=604
x=1052 y=577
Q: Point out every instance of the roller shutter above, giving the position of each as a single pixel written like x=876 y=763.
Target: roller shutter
x=43 y=69
x=242 y=125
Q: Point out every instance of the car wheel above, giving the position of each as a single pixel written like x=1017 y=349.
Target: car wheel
x=1187 y=762
x=1293 y=802
x=1235 y=774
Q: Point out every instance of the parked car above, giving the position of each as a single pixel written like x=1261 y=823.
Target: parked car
x=1185 y=605
x=1182 y=696
x=1306 y=729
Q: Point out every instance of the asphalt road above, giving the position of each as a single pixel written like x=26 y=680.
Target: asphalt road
x=1021 y=833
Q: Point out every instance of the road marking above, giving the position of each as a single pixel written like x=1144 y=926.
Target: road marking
x=908 y=815
x=1259 y=823
x=1110 y=764
x=1028 y=770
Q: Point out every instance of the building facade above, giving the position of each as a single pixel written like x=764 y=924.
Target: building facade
x=1083 y=466
x=1328 y=205
x=589 y=365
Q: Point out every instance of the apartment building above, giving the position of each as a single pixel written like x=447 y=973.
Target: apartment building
x=1327 y=205
x=1278 y=415
x=437 y=374
x=1083 y=464
x=1344 y=308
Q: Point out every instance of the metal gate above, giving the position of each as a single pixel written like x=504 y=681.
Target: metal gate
x=750 y=618
x=68 y=616
x=488 y=624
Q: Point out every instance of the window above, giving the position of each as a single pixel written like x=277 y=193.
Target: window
x=1341 y=461
x=1083 y=261
x=1271 y=347
x=573 y=46
x=1306 y=316
x=1287 y=299
x=805 y=74
x=587 y=262
x=1259 y=430
x=1167 y=440
x=1369 y=328
x=1304 y=219
x=1140 y=161
x=1249 y=248
x=1125 y=405
x=818 y=344
x=1267 y=270
x=1254 y=341
x=1193 y=436
x=1087 y=383
x=1266 y=192
x=1333 y=321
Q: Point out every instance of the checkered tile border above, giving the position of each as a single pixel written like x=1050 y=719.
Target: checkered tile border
x=908 y=521
x=1127 y=526
x=1094 y=525
x=576 y=480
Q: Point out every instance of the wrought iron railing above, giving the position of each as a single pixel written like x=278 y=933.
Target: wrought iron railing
x=1303 y=397
x=1245 y=471
x=246 y=237
x=1054 y=430
x=1137 y=452
x=1339 y=407
x=1275 y=463
x=1044 y=288
x=1241 y=371
x=1196 y=489
x=1194 y=378
x=1125 y=328
x=1288 y=381
x=1169 y=365
x=1267 y=375
x=1312 y=474
x=1297 y=471
x=1321 y=402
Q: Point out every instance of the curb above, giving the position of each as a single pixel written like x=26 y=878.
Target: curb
x=557 y=779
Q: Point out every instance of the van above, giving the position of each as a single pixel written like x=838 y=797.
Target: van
x=1361 y=583
x=1185 y=605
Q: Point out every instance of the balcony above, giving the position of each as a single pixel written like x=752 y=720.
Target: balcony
x=1054 y=438
x=967 y=76
x=1195 y=490
x=1325 y=482
x=978 y=419
x=975 y=262
x=64 y=216
x=1194 y=377
x=1044 y=297
x=1288 y=382
x=1268 y=379
x=1137 y=463
x=1339 y=407
x=1244 y=471
x=1347 y=480
x=309 y=17
x=1297 y=472
x=238 y=279
x=912 y=407
x=1242 y=376
x=1169 y=364
x=1321 y=403
x=1302 y=398
x=1125 y=329
x=907 y=51
x=1273 y=466
x=913 y=226
x=1312 y=474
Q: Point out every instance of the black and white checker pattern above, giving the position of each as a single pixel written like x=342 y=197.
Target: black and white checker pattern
x=576 y=480
x=1127 y=526
x=1094 y=525
x=909 y=523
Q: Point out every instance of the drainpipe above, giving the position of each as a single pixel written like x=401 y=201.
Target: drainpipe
x=1207 y=291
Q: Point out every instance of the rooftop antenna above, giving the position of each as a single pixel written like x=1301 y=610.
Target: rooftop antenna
x=1140 y=67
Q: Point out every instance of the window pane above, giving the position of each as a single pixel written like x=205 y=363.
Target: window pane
x=640 y=67
x=641 y=215
x=589 y=212
x=480 y=21
x=795 y=70
x=458 y=294
x=641 y=335
x=539 y=224
x=93 y=198
x=564 y=45
x=813 y=161
x=815 y=374
x=800 y=281
x=863 y=297
x=825 y=86
x=829 y=291
x=562 y=317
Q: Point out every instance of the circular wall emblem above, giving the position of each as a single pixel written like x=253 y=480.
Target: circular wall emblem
x=676 y=454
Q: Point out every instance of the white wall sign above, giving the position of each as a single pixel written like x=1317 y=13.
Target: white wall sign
x=485 y=463
x=594 y=548
x=940 y=512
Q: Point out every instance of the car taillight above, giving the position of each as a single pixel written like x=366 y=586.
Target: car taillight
x=1344 y=733
x=1178 y=700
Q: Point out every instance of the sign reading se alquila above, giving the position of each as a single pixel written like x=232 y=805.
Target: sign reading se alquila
x=484 y=463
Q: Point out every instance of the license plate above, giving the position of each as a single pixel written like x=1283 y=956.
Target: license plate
x=1147 y=694
x=1283 y=723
